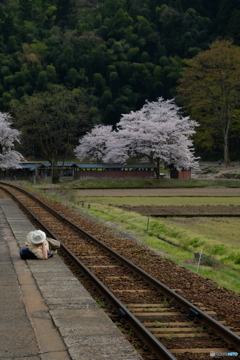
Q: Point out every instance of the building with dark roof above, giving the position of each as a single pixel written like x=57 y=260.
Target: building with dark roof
x=42 y=170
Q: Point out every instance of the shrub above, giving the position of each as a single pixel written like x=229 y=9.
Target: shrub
x=218 y=249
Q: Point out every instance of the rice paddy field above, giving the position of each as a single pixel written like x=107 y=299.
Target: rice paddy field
x=217 y=239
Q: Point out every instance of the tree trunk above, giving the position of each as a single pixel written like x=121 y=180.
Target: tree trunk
x=55 y=173
x=55 y=179
x=157 y=169
x=226 y=151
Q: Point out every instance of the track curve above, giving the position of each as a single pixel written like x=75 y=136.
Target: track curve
x=152 y=309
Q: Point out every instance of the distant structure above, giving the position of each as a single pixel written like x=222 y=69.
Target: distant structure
x=31 y=170
x=42 y=170
x=179 y=171
x=114 y=171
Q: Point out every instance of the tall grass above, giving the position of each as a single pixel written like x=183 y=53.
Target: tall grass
x=137 y=183
x=154 y=183
x=221 y=262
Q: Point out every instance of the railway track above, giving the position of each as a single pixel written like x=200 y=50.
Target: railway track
x=171 y=326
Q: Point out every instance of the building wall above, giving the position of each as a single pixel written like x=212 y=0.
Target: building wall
x=17 y=175
x=184 y=174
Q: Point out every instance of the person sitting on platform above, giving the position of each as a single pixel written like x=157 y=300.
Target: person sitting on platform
x=38 y=246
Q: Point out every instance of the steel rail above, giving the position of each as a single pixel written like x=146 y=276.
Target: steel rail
x=122 y=310
x=229 y=336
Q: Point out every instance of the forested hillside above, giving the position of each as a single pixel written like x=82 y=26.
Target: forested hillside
x=117 y=53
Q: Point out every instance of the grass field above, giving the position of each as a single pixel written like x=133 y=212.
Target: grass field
x=162 y=200
x=139 y=183
x=151 y=183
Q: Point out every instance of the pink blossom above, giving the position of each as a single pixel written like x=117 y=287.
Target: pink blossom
x=9 y=158
x=158 y=132
x=93 y=144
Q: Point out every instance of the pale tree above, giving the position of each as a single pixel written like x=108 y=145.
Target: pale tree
x=210 y=88
x=9 y=158
x=157 y=132
x=93 y=144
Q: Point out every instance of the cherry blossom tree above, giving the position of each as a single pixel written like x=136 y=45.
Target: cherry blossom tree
x=93 y=144
x=9 y=158
x=158 y=132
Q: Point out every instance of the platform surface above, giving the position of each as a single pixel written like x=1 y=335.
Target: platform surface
x=45 y=311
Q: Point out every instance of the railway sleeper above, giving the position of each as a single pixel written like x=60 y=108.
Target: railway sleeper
x=199 y=351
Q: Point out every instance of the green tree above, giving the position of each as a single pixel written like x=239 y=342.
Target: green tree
x=51 y=73
x=210 y=87
x=12 y=44
x=99 y=81
x=226 y=9
x=63 y=10
x=42 y=80
x=53 y=120
x=26 y=7
x=72 y=77
x=114 y=82
x=106 y=98
x=234 y=27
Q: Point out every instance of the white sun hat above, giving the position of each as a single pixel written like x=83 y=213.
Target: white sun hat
x=37 y=236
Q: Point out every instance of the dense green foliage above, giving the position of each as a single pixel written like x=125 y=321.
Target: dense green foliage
x=52 y=121
x=118 y=52
x=210 y=86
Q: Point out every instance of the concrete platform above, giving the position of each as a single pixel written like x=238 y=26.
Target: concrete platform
x=45 y=311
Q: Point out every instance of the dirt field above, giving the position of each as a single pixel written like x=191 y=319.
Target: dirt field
x=185 y=210
x=221 y=191
x=173 y=210
x=178 y=210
